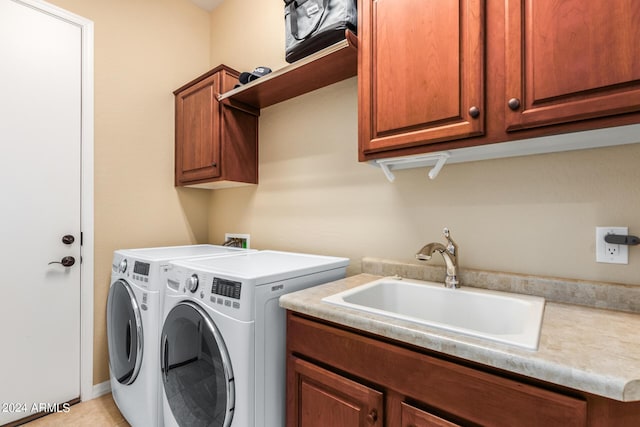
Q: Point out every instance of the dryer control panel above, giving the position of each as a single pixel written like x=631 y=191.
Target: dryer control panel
x=225 y=295
x=226 y=288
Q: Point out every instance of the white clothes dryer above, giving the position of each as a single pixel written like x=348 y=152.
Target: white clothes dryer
x=223 y=336
x=134 y=309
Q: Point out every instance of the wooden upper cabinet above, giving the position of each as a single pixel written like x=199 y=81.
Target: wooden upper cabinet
x=216 y=145
x=421 y=72
x=569 y=60
x=198 y=131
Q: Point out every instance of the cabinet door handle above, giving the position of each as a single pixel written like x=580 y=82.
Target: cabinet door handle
x=474 y=112
x=214 y=165
x=372 y=417
x=514 y=104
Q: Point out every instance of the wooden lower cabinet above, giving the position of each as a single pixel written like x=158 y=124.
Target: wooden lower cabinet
x=414 y=417
x=339 y=377
x=327 y=399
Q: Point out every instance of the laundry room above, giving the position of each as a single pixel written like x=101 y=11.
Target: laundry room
x=526 y=219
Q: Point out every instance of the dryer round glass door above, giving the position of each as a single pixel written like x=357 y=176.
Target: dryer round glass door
x=196 y=369
x=124 y=332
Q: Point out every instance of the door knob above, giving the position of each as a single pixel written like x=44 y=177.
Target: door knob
x=68 y=239
x=67 y=261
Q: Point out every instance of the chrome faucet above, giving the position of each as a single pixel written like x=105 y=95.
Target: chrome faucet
x=450 y=255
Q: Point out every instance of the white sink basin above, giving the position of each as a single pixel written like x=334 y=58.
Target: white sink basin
x=498 y=316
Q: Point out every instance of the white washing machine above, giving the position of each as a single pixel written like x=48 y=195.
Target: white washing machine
x=134 y=309
x=223 y=336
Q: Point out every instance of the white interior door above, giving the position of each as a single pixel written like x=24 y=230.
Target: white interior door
x=40 y=176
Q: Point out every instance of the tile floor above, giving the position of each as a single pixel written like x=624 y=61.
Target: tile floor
x=100 y=412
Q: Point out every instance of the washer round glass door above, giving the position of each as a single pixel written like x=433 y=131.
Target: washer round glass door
x=196 y=368
x=124 y=332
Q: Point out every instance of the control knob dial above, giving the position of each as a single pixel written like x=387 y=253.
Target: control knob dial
x=192 y=283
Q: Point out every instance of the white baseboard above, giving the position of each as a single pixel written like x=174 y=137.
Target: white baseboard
x=101 y=389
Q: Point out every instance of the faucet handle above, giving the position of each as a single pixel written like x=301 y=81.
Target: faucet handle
x=452 y=247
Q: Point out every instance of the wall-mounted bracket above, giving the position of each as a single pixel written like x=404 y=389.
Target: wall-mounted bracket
x=437 y=160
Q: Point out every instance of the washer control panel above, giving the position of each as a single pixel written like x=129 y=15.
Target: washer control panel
x=135 y=271
x=141 y=272
x=142 y=268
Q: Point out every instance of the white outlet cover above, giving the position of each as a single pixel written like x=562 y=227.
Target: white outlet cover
x=602 y=254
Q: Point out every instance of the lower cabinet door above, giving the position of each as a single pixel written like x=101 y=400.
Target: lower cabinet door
x=322 y=398
x=414 y=417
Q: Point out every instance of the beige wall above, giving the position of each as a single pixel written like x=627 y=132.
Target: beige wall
x=144 y=49
x=532 y=215
x=313 y=195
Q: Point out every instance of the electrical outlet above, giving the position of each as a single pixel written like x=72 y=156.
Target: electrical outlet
x=611 y=253
x=244 y=239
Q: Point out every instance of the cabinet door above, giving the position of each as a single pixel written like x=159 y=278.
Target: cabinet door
x=420 y=71
x=467 y=395
x=570 y=60
x=414 y=417
x=198 y=131
x=321 y=398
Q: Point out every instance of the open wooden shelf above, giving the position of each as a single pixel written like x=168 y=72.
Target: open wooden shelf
x=330 y=65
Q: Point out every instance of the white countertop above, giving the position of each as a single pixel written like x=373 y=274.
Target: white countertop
x=588 y=349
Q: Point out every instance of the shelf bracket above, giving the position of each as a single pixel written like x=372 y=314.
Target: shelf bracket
x=387 y=171
x=231 y=103
x=433 y=173
x=437 y=160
